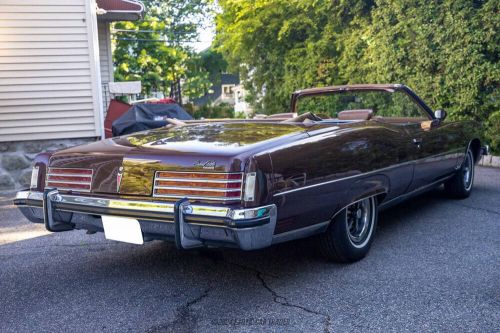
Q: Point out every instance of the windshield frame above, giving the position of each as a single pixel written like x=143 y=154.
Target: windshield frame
x=362 y=87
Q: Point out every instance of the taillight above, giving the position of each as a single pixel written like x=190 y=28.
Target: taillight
x=69 y=179
x=34 y=177
x=198 y=185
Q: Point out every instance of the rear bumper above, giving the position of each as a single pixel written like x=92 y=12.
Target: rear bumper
x=186 y=224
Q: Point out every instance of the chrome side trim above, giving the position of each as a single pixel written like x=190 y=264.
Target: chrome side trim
x=415 y=191
x=344 y=178
x=301 y=233
x=362 y=174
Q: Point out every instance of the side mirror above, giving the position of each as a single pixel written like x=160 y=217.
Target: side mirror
x=440 y=114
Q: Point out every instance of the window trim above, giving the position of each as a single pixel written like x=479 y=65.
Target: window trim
x=387 y=88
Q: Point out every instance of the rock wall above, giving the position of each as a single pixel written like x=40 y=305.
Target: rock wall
x=16 y=159
x=490 y=161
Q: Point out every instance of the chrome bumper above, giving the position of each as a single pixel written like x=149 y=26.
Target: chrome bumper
x=187 y=224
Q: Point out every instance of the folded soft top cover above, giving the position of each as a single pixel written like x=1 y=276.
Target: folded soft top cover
x=146 y=116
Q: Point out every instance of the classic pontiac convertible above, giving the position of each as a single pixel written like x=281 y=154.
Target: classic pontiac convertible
x=347 y=153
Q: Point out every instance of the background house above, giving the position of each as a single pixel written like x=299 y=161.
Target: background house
x=228 y=90
x=55 y=62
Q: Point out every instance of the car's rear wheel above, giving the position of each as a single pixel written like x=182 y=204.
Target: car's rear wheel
x=460 y=185
x=350 y=234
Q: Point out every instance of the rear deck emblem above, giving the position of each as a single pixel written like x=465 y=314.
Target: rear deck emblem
x=205 y=164
x=119 y=177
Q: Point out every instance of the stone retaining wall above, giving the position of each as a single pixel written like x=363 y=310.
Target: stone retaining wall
x=16 y=159
x=490 y=161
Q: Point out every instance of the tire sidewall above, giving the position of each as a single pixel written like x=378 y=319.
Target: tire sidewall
x=344 y=244
x=471 y=157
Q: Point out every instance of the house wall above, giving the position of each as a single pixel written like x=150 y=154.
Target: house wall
x=50 y=90
x=105 y=53
x=105 y=60
x=49 y=70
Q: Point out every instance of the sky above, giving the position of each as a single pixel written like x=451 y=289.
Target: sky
x=206 y=29
x=205 y=39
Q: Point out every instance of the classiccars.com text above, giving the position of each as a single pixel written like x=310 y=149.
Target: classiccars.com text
x=251 y=321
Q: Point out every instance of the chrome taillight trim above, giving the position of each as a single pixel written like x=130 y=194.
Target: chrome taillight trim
x=88 y=183
x=68 y=182
x=200 y=180
x=206 y=189
x=69 y=174
x=205 y=180
x=197 y=197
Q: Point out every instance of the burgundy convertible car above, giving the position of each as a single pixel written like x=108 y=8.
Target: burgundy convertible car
x=347 y=153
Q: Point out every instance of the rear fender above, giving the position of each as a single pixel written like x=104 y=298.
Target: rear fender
x=376 y=185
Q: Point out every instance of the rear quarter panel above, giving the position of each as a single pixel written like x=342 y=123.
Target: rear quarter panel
x=316 y=177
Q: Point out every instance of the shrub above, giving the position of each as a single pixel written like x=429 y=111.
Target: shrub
x=222 y=110
x=493 y=132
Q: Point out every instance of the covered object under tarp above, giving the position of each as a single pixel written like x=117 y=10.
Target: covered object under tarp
x=146 y=116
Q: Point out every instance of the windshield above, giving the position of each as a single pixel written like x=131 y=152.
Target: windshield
x=381 y=102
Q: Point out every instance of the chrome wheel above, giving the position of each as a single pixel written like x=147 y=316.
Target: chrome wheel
x=468 y=171
x=359 y=219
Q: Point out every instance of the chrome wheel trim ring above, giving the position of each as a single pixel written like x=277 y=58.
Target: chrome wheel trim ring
x=468 y=171
x=360 y=217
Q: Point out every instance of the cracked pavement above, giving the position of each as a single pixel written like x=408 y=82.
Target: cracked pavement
x=434 y=266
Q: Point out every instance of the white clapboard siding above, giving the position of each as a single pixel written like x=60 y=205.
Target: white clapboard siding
x=49 y=70
x=105 y=54
x=5 y=46
x=41 y=101
x=45 y=115
x=23 y=111
x=105 y=61
x=51 y=80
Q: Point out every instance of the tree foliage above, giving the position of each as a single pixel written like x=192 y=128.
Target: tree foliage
x=446 y=50
x=155 y=52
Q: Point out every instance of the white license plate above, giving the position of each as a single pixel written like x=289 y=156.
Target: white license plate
x=122 y=229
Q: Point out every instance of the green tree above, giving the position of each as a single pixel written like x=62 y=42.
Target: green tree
x=155 y=52
x=282 y=45
x=446 y=50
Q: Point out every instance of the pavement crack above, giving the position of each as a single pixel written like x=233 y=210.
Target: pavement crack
x=184 y=320
x=280 y=299
x=197 y=299
x=277 y=298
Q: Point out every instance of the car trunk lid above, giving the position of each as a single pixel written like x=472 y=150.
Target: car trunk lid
x=127 y=165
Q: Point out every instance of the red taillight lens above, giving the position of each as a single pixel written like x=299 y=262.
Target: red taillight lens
x=199 y=185
x=69 y=179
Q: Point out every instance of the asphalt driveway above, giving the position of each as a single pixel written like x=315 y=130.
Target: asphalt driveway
x=434 y=266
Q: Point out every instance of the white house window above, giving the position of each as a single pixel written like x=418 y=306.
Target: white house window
x=227 y=90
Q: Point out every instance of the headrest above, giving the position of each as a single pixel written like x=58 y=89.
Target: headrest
x=361 y=114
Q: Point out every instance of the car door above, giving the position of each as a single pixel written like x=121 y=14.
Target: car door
x=431 y=150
